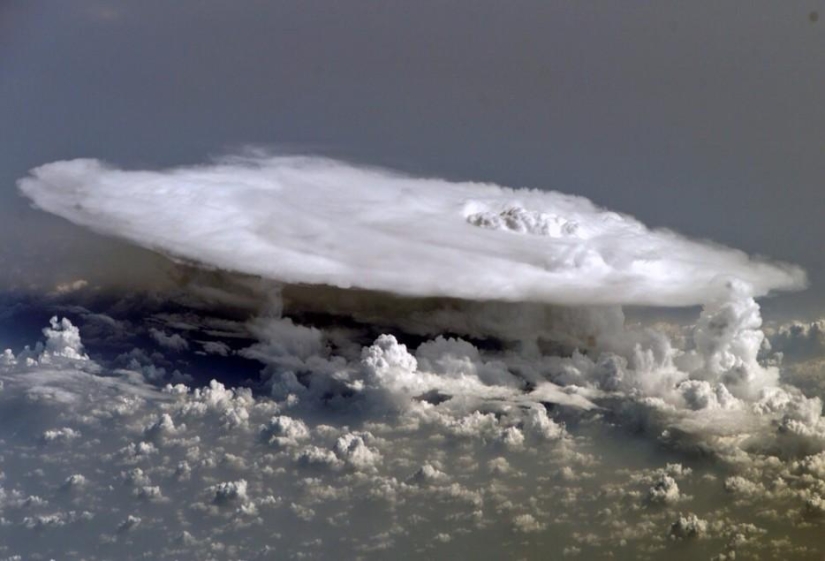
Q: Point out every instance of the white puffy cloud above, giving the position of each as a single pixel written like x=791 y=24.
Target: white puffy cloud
x=62 y=341
x=664 y=491
x=527 y=523
x=354 y=450
x=689 y=526
x=65 y=434
x=229 y=492
x=129 y=523
x=284 y=431
x=427 y=474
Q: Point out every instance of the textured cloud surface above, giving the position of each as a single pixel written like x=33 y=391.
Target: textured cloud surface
x=442 y=450
x=394 y=421
x=309 y=220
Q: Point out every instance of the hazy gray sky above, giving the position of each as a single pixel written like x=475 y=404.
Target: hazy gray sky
x=703 y=117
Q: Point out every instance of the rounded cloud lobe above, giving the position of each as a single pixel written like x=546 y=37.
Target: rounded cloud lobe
x=318 y=221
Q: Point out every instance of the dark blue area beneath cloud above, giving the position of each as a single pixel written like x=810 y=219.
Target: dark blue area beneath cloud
x=24 y=315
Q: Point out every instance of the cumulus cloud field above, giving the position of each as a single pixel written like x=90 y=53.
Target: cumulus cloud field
x=360 y=364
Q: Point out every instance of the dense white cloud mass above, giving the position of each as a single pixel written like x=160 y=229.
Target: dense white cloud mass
x=310 y=220
x=486 y=399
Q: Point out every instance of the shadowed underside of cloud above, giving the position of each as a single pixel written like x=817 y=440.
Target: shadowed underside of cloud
x=318 y=221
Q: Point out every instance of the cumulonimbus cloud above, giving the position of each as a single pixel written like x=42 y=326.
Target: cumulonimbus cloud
x=319 y=221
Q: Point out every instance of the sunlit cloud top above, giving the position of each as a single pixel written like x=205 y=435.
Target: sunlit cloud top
x=319 y=221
